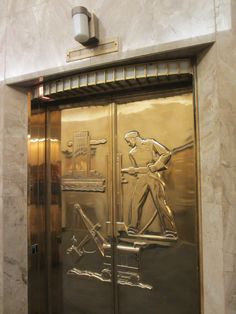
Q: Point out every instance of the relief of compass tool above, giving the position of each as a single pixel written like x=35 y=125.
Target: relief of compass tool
x=83 y=178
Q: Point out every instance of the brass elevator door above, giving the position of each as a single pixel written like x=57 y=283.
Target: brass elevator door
x=124 y=232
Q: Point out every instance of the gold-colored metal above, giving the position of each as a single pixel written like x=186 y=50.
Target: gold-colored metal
x=53 y=208
x=87 y=160
x=114 y=169
x=37 y=273
x=169 y=121
x=115 y=78
x=104 y=47
x=124 y=275
x=158 y=124
x=198 y=184
x=136 y=228
x=81 y=177
x=149 y=158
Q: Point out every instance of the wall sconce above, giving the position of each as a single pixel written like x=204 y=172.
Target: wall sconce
x=85 y=26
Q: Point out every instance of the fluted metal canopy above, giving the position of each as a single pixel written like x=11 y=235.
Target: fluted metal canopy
x=115 y=78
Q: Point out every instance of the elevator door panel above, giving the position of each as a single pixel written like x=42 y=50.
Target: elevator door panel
x=129 y=208
x=85 y=204
x=36 y=213
x=157 y=204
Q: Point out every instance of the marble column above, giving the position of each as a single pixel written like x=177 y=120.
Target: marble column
x=1 y=202
x=13 y=201
x=217 y=130
x=226 y=81
x=211 y=226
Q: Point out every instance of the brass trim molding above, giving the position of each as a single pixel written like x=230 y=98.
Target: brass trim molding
x=115 y=78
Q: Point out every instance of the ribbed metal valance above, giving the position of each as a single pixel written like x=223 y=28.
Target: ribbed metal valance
x=115 y=78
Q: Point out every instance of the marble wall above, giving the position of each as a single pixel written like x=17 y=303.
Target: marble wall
x=210 y=187
x=226 y=81
x=39 y=32
x=1 y=202
x=216 y=96
x=34 y=37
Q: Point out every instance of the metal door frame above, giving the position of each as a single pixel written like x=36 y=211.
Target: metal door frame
x=111 y=100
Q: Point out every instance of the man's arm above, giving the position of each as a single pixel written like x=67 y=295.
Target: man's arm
x=164 y=156
x=131 y=158
x=133 y=169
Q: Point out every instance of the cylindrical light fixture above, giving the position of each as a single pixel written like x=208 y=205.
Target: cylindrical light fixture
x=81 y=16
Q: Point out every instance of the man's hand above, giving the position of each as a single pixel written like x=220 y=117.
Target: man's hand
x=130 y=170
x=152 y=168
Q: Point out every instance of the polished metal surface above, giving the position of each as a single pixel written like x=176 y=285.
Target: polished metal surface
x=81 y=177
x=122 y=207
x=36 y=211
x=158 y=187
x=148 y=159
x=53 y=211
x=115 y=78
x=86 y=164
x=104 y=47
x=127 y=275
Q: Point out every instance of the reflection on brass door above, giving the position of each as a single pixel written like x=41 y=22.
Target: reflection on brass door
x=155 y=200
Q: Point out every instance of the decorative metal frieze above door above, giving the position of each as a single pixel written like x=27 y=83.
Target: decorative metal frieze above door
x=115 y=78
x=129 y=208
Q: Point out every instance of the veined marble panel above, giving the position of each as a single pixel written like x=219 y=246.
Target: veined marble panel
x=230 y=286
x=18 y=6
x=14 y=157
x=223 y=15
x=153 y=21
x=3 y=28
x=1 y=134
x=1 y=200
x=27 y=42
x=15 y=269
x=15 y=113
x=3 y=8
x=1 y=254
x=13 y=221
x=226 y=79
x=211 y=193
x=44 y=31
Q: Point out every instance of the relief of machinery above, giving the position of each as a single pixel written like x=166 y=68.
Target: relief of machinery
x=128 y=266
x=80 y=151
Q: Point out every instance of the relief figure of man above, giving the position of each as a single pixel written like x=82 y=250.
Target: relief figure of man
x=148 y=158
